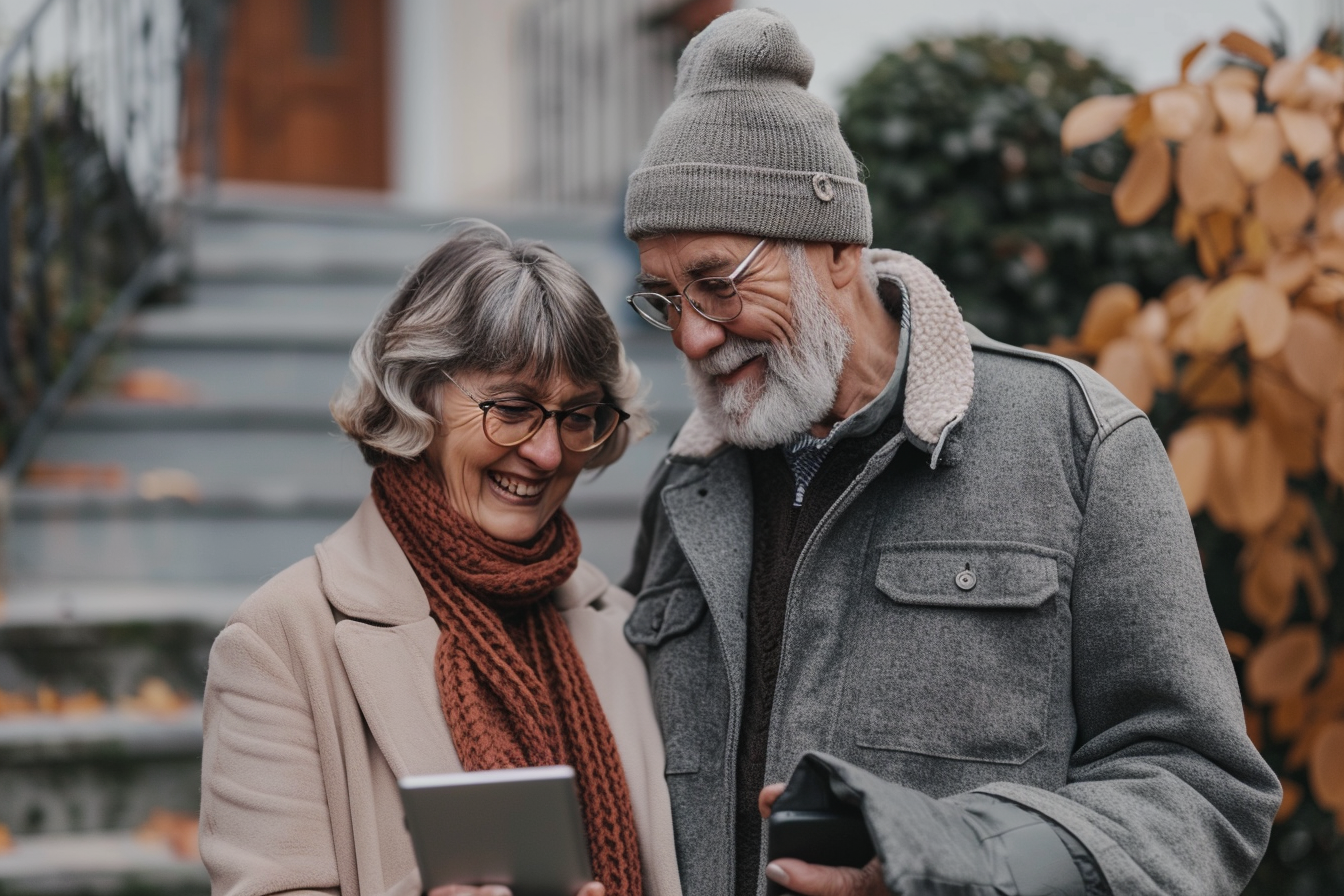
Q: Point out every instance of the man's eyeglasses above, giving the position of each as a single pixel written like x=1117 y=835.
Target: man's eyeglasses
x=713 y=298
x=512 y=421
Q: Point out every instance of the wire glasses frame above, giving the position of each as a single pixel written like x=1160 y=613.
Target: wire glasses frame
x=713 y=298
x=511 y=421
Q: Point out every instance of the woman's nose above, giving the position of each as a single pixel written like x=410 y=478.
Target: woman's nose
x=544 y=450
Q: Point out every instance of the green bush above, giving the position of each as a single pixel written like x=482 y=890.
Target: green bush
x=960 y=138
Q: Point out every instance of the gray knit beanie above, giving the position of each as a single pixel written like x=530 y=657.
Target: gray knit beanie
x=744 y=148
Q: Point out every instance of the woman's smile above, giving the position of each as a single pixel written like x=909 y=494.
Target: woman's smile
x=516 y=489
x=510 y=492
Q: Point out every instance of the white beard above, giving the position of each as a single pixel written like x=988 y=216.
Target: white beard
x=801 y=378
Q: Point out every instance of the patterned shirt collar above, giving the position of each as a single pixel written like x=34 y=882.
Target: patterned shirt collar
x=806 y=452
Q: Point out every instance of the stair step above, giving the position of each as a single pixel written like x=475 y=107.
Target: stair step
x=237 y=379
x=251 y=250
x=243 y=550
x=303 y=296
x=261 y=463
x=214 y=327
x=95 y=863
x=97 y=787
x=42 y=738
x=163 y=550
x=275 y=460
x=272 y=245
x=239 y=203
x=58 y=604
x=231 y=377
x=132 y=416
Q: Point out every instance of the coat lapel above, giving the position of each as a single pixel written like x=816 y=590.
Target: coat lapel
x=386 y=643
x=710 y=512
x=392 y=673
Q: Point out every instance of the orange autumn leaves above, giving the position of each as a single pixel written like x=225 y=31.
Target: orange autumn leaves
x=1250 y=355
x=179 y=831
x=154 y=697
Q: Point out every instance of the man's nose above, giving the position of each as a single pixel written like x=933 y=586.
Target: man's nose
x=544 y=450
x=696 y=336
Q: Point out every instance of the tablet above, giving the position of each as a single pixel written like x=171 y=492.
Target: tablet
x=520 y=827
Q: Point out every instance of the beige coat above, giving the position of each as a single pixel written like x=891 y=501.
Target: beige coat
x=321 y=693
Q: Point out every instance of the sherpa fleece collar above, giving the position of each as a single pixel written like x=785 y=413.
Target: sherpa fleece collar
x=940 y=374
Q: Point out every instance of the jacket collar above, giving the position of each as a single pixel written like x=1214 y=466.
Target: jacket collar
x=366 y=576
x=940 y=372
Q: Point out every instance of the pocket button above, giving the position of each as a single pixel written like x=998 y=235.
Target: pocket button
x=965 y=580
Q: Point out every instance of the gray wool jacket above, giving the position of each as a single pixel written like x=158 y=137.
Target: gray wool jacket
x=1082 y=675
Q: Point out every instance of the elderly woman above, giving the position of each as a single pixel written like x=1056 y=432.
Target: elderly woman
x=450 y=624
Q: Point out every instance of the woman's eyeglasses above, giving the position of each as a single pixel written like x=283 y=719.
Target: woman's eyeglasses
x=714 y=298
x=512 y=421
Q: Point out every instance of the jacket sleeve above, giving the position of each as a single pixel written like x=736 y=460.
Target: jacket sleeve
x=1164 y=788
x=264 y=820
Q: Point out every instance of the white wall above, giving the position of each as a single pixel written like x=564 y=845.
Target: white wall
x=456 y=102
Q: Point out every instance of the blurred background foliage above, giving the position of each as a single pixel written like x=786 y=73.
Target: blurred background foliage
x=1241 y=369
x=960 y=138
x=76 y=233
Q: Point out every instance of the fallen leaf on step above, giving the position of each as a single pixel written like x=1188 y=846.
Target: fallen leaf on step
x=165 y=482
x=82 y=704
x=154 y=386
x=15 y=704
x=177 y=830
x=75 y=475
x=155 y=697
x=48 y=699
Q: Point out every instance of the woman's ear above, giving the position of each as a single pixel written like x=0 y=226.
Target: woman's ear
x=846 y=262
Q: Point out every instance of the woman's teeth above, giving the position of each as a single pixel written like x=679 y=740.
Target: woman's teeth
x=517 y=486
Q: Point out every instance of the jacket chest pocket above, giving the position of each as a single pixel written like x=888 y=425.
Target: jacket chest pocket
x=669 y=623
x=955 y=651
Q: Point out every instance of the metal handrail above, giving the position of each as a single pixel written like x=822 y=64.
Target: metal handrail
x=91 y=130
x=91 y=125
x=23 y=39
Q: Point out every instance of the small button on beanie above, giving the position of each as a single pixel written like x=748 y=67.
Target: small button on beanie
x=744 y=148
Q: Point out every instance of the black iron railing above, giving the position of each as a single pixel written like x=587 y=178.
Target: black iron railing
x=93 y=124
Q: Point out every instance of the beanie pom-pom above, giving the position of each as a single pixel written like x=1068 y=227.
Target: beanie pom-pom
x=747 y=46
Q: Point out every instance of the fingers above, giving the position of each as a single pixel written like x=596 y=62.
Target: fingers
x=592 y=888
x=766 y=800
x=827 y=880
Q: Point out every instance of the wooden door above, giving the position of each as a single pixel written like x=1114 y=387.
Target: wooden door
x=305 y=93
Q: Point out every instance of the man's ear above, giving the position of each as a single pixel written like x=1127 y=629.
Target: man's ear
x=846 y=262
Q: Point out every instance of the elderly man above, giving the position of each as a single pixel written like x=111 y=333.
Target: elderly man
x=956 y=576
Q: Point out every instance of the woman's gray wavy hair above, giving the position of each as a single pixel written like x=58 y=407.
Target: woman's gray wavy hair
x=482 y=302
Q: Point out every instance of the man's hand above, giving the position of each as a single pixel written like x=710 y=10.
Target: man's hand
x=818 y=880
x=766 y=801
x=592 y=888
x=827 y=880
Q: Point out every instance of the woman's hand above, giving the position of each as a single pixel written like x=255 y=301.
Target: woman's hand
x=592 y=888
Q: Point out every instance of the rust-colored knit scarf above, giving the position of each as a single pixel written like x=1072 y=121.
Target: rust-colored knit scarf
x=512 y=683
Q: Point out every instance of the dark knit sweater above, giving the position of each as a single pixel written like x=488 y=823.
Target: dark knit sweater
x=781 y=530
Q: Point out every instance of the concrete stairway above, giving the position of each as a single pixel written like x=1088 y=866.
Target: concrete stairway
x=203 y=462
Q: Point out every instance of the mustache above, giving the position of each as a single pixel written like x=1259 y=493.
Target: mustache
x=734 y=352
